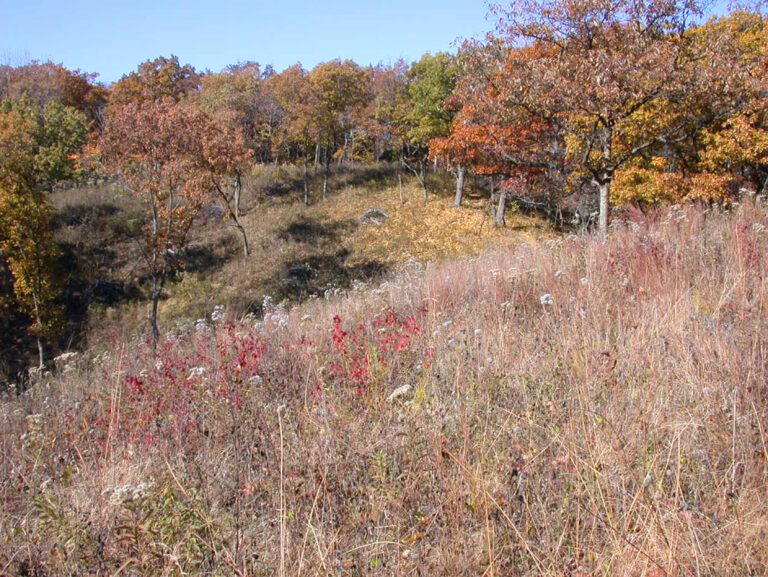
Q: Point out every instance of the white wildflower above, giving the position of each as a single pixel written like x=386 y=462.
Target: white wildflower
x=218 y=313
x=399 y=392
x=196 y=372
x=584 y=280
x=547 y=299
x=65 y=357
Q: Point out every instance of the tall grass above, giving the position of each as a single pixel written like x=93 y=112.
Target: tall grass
x=581 y=406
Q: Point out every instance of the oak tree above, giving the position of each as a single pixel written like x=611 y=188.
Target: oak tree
x=27 y=246
x=600 y=72
x=158 y=149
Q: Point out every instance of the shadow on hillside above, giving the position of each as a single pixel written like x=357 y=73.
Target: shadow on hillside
x=210 y=257
x=309 y=230
x=369 y=177
x=90 y=257
x=83 y=214
x=320 y=272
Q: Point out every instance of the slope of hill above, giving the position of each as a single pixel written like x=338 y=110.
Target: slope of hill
x=298 y=251
x=577 y=406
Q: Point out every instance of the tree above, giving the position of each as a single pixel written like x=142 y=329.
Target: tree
x=459 y=149
x=238 y=97
x=46 y=82
x=27 y=246
x=430 y=82
x=154 y=80
x=738 y=147
x=521 y=152
x=225 y=157
x=159 y=149
x=390 y=106
x=339 y=87
x=293 y=93
x=600 y=73
x=57 y=133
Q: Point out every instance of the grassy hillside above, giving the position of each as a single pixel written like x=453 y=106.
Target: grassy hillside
x=298 y=251
x=577 y=406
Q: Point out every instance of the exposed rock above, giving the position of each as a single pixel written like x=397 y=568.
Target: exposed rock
x=375 y=216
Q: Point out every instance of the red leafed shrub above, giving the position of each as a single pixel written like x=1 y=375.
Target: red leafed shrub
x=187 y=379
x=362 y=359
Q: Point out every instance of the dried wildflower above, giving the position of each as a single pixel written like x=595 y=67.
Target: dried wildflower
x=218 y=313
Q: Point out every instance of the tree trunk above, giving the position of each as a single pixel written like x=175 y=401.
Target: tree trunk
x=423 y=178
x=604 y=182
x=246 y=247
x=306 y=182
x=238 y=224
x=238 y=193
x=38 y=320
x=605 y=189
x=157 y=291
x=460 y=172
x=326 y=172
x=400 y=186
x=500 y=221
x=40 y=352
x=419 y=174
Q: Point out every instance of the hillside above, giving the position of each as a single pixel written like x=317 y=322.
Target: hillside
x=298 y=251
x=574 y=406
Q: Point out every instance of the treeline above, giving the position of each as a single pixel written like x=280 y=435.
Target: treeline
x=637 y=101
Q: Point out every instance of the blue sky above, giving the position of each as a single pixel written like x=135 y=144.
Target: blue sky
x=112 y=38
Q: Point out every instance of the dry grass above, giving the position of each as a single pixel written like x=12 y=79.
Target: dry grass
x=302 y=251
x=566 y=407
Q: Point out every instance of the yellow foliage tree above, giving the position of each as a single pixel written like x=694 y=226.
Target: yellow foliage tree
x=27 y=246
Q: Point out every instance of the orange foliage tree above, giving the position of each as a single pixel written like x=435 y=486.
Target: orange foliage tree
x=156 y=79
x=298 y=131
x=165 y=152
x=614 y=80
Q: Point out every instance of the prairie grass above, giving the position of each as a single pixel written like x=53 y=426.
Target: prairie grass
x=572 y=406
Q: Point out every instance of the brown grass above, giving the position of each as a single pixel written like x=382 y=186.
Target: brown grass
x=620 y=430
x=298 y=251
